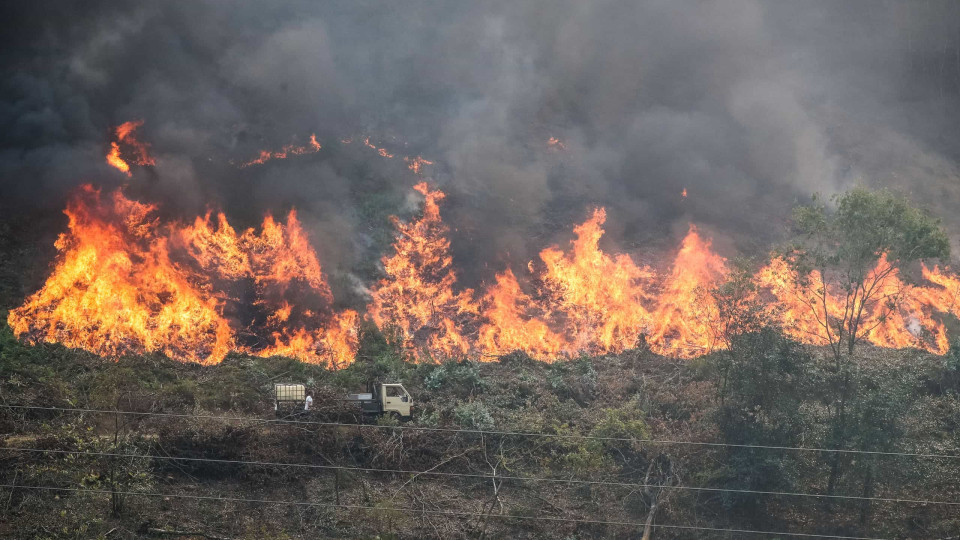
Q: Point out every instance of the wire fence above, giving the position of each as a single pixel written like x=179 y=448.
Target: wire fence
x=954 y=453
x=449 y=513
x=487 y=476
x=494 y=477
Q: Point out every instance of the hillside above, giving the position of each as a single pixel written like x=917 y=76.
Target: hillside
x=582 y=429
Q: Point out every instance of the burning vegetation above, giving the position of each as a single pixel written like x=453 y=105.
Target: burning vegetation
x=127 y=144
x=126 y=283
x=416 y=164
x=287 y=151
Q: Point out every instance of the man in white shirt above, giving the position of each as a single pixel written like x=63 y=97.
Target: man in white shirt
x=308 y=402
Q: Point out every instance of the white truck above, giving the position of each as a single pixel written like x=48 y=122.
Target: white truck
x=386 y=398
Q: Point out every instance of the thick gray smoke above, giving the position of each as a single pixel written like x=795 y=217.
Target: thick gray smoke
x=749 y=105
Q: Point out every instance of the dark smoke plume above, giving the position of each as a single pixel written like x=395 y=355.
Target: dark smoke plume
x=749 y=105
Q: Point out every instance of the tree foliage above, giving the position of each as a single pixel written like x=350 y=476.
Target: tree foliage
x=764 y=381
x=839 y=248
x=838 y=257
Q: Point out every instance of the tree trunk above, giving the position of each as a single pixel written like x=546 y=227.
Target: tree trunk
x=839 y=433
x=662 y=468
x=648 y=526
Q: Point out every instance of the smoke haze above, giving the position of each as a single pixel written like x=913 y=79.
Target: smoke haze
x=749 y=105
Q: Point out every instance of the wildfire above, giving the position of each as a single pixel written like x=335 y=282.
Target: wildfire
x=898 y=314
x=587 y=301
x=556 y=144
x=125 y=138
x=125 y=283
x=797 y=306
x=416 y=164
x=311 y=147
x=686 y=315
x=683 y=193
x=382 y=151
x=417 y=297
x=514 y=322
x=601 y=297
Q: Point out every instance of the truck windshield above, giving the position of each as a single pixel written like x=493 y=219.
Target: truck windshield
x=397 y=392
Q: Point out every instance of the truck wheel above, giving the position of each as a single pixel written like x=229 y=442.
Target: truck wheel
x=396 y=416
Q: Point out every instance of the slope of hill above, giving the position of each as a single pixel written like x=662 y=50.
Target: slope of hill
x=513 y=448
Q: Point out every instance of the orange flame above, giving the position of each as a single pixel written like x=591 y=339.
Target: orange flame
x=416 y=164
x=514 y=323
x=588 y=301
x=289 y=150
x=125 y=283
x=556 y=144
x=687 y=314
x=799 y=309
x=897 y=314
x=599 y=296
x=417 y=296
x=114 y=159
x=140 y=150
x=684 y=193
x=382 y=151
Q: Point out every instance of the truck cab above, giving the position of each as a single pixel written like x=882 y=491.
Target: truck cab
x=385 y=398
x=396 y=399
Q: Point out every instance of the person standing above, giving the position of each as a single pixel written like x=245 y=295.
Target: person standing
x=308 y=401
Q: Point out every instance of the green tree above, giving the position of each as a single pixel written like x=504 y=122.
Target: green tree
x=764 y=380
x=739 y=307
x=877 y=418
x=380 y=358
x=836 y=259
x=844 y=244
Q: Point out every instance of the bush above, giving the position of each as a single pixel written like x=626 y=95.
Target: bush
x=950 y=378
x=380 y=357
x=586 y=456
x=464 y=376
x=764 y=380
x=517 y=359
x=576 y=380
x=473 y=415
x=626 y=422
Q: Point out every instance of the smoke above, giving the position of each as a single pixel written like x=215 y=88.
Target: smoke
x=749 y=105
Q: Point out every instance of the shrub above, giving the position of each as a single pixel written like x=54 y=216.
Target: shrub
x=380 y=357
x=576 y=380
x=764 y=379
x=464 y=376
x=517 y=359
x=429 y=418
x=473 y=415
x=950 y=379
x=626 y=421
